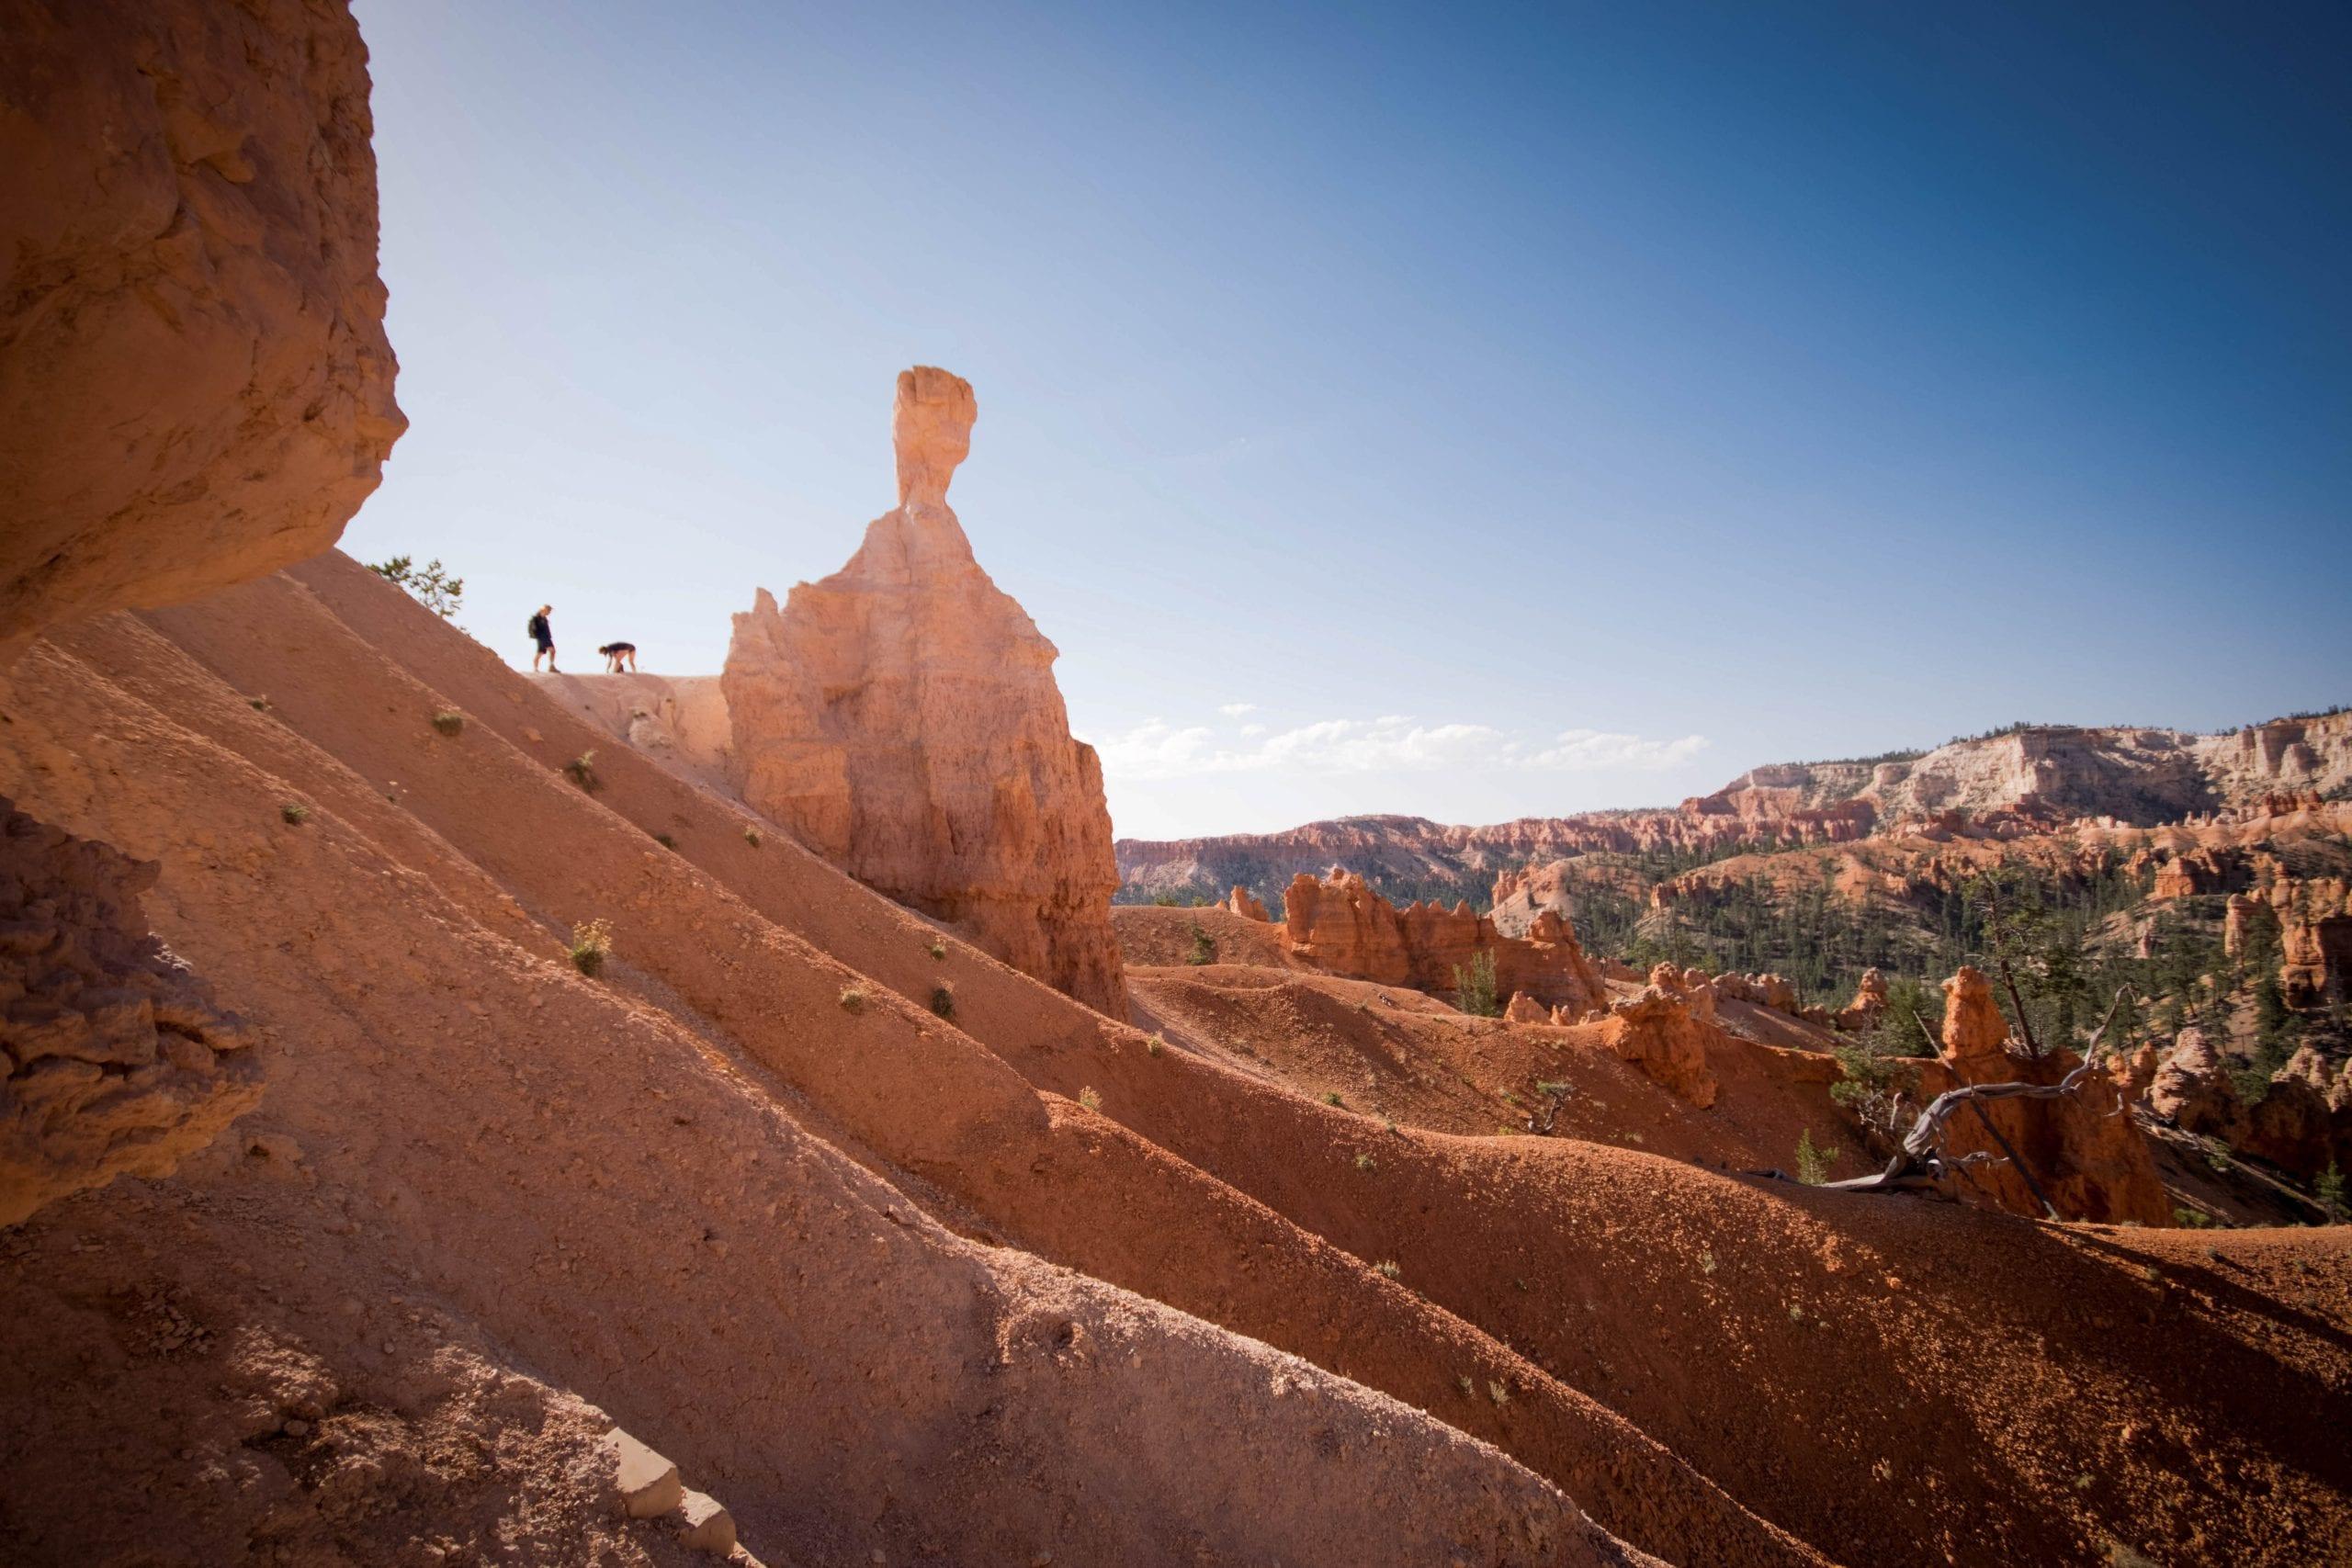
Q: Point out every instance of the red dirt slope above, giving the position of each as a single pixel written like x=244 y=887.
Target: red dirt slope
x=471 y=1159
x=1887 y=1379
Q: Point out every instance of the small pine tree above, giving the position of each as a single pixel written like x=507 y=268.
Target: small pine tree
x=1204 y=947
x=2329 y=1190
x=1473 y=987
x=431 y=583
x=1813 y=1164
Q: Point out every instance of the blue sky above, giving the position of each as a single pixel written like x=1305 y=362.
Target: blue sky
x=1470 y=412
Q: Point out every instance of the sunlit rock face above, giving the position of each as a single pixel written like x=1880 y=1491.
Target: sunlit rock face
x=901 y=719
x=194 y=384
x=1339 y=924
x=2087 y=1158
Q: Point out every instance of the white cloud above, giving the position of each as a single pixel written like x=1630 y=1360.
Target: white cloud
x=1393 y=743
x=1582 y=750
x=1235 y=710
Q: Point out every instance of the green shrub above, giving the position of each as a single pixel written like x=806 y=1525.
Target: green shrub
x=938 y=950
x=1386 y=1269
x=295 y=813
x=943 y=1000
x=2329 y=1189
x=591 y=945
x=1155 y=1046
x=582 y=771
x=666 y=842
x=449 y=721
x=1204 y=947
x=853 y=998
x=1364 y=1162
x=751 y=837
x=1331 y=1097
x=1089 y=1099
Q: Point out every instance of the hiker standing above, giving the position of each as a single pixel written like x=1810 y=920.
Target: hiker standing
x=543 y=638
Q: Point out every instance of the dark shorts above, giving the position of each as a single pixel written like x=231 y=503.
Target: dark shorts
x=546 y=644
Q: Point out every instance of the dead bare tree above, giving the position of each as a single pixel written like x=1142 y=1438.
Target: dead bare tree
x=1918 y=1163
x=1540 y=1123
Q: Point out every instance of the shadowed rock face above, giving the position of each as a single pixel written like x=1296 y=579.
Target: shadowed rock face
x=900 y=717
x=115 y=1061
x=194 y=384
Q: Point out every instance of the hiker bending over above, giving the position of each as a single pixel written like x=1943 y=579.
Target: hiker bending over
x=543 y=638
x=615 y=653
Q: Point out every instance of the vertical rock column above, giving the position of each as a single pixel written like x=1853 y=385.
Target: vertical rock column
x=900 y=717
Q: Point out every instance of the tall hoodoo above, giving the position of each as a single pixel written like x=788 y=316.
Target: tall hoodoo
x=901 y=718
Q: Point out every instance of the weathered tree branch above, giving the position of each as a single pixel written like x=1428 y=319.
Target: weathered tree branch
x=1920 y=1161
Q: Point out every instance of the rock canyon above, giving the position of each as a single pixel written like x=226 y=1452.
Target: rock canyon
x=456 y=1116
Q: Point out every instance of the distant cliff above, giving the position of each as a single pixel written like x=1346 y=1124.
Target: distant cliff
x=2026 y=778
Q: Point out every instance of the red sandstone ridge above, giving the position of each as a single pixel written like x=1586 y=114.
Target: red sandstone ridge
x=1993 y=788
x=900 y=717
x=1341 y=926
x=196 y=385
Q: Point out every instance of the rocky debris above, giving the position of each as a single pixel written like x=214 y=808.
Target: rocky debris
x=2303 y=1124
x=2192 y=1090
x=2083 y=1151
x=1665 y=1031
x=2309 y=917
x=705 y=1524
x=118 y=1061
x=1523 y=892
x=197 y=388
x=1868 y=1004
x=1775 y=991
x=1240 y=902
x=2315 y=961
x=2245 y=916
x=1339 y=925
x=2134 y=1070
x=2186 y=875
x=900 y=717
x=644 y=1484
x=2294 y=1126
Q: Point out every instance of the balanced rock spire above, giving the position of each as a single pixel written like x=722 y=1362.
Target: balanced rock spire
x=901 y=719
